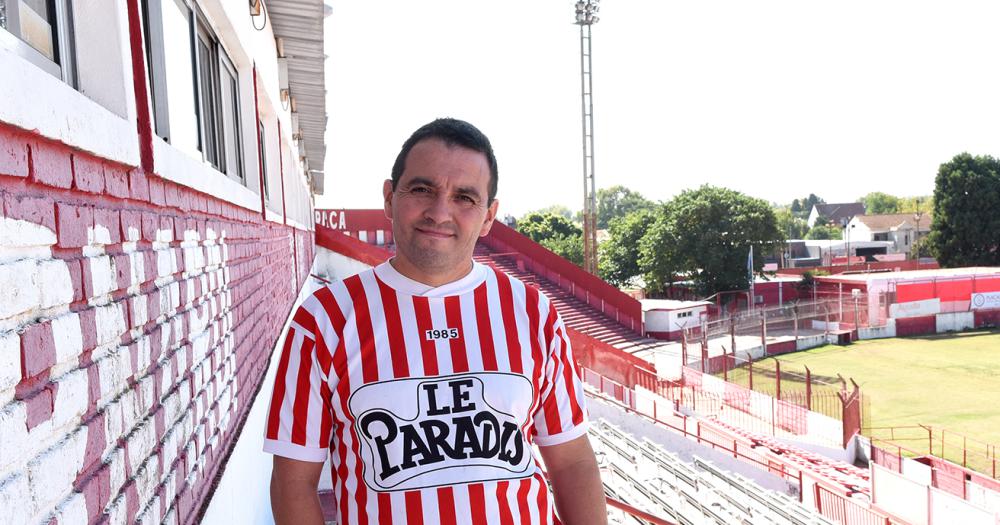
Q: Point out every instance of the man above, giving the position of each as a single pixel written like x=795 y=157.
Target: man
x=427 y=378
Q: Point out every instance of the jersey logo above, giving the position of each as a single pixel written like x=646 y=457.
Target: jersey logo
x=428 y=432
x=447 y=333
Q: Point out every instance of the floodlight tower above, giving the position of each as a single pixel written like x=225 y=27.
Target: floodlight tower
x=586 y=15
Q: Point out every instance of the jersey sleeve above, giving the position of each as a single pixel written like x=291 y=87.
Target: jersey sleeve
x=562 y=414
x=300 y=418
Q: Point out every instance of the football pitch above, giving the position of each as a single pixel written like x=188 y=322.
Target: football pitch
x=948 y=381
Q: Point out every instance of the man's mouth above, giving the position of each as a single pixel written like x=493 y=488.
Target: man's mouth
x=438 y=234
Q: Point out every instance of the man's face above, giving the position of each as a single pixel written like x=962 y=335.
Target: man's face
x=438 y=210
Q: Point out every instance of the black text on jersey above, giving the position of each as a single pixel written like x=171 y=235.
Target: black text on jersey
x=444 y=333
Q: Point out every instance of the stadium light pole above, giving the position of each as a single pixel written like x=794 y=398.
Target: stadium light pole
x=586 y=16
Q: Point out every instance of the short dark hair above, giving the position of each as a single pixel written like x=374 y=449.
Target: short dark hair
x=452 y=132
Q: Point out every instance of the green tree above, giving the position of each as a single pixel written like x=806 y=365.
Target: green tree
x=877 y=203
x=706 y=234
x=966 y=225
x=557 y=209
x=824 y=232
x=542 y=226
x=569 y=247
x=793 y=227
x=619 y=255
x=796 y=206
x=618 y=201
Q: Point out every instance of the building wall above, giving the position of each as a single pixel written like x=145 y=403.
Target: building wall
x=141 y=290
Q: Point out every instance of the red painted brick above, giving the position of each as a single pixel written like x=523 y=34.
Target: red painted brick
x=38 y=407
x=150 y=222
x=38 y=210
x=131 y=219
x=110 y=220
x=76 y=276
x=38 y=349
x=72 y=223
x=13 y=154
x=88 y=174
x=116 y=181
x=50 y=165
x=153 y=306
x=123 y=271
x=156 y=192
x=96 y=492
x=88 y=326
x=96 y=441
x=138 y=185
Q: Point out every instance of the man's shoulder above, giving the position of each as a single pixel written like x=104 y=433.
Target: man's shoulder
x=335 y=290
x=528 y=287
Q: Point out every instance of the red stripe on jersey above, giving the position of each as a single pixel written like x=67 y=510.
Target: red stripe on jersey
x=333 y=311
x=300 y=408
x=325 y=363
x=278 y=395
x=453 y=315
x=509 y=322
x=543 y=498
x=366 y=336
x=568 y=377
x=477 y=503
x=384 y=507
x=485 y=330
x=446 y=505
x=522 y=501
x=394 y=327
x=506 y=518
x=305 y=319
x=414 y=507
x=422 y=309
x=537 y=356
x=553 y=423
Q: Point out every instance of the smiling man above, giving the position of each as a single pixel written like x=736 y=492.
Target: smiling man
x=427 y=379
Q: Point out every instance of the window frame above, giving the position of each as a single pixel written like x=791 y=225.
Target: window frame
x=152 y=26
x=262 y=137
x=63 y=65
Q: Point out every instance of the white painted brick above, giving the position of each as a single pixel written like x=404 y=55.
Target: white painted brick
x=175 y=296
x=146 y=480
x=140 y=312
x=17 y=233
x=14 y=438
x=118 y=511
x=131 y=410
x=110 y=323
x=10 y=365
x=182 y=364
x=132 y=234
x=71 y=398
x=165 y=235
x=137 y=270
x=114 y=369
x=19 y=291
x=68 y=338
x=99 y=234
x=140 y=443
x=116 y=469
x=73 y=510
x=103 y=275
x=177 y=323
x=189 y=288
x=169 y=450
x=113 y=428
x=15 y=494
x=147 y=393
x=55 y=283
x=164 y=263
x=51 y=474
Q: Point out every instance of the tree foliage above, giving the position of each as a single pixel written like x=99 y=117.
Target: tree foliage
x=619 y=201
x=824 y=231
x=556 y=209
x=619 y=255
x=706 y=234
x=789 y=224
x=543 y=226
x=877 y=203
x=555 y=232
x=966 y=222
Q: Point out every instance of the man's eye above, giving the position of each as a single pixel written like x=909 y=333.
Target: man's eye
x=420 y=189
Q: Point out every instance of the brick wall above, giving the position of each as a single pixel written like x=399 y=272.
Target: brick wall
x=136 y=320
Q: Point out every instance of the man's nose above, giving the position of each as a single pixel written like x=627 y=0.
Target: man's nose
x=439 y=209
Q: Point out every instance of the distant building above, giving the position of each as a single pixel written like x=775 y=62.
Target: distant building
x=837 y=213
x=900 y=229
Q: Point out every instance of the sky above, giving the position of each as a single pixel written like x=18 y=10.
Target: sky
x=776 y=99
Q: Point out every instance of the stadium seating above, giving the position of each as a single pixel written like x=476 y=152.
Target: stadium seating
x=575 y=313
x=644 y=475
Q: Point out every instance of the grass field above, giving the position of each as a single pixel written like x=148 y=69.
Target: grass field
x=949 y=381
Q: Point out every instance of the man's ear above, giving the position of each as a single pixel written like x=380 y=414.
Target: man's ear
x=387 y=198
x=491 y=215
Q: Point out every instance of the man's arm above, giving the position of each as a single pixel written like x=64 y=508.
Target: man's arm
x=294 y=498
x=576 y=482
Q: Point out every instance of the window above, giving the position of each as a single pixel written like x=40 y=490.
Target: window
x=880 y=237
x=263 y=158
x=40 y=31
x=218 y=103
x=152 y=25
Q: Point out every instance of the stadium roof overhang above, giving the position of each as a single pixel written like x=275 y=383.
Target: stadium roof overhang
x=299 y=24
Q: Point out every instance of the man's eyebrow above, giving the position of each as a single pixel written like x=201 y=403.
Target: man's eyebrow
x=468 y=190
x=420 y=181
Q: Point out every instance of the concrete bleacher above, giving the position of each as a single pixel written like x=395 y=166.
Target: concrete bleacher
x=643 y=474
x=575 y=313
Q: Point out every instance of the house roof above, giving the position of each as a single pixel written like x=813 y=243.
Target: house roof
x=894 y=221
x=843 y=210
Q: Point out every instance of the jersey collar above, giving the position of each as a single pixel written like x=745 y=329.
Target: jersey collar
x=405 y=285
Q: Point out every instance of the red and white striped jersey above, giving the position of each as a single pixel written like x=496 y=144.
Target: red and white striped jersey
x=427 y=399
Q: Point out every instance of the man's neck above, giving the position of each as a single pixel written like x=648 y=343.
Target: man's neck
x=433 y=279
